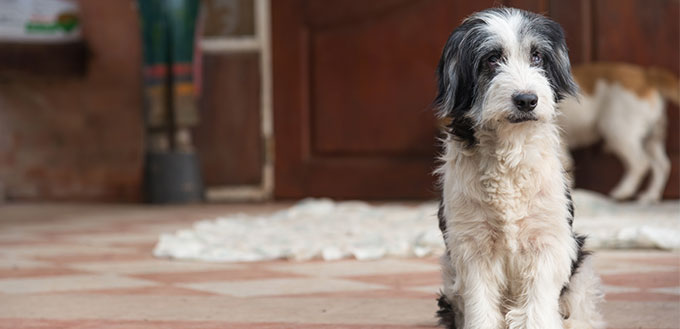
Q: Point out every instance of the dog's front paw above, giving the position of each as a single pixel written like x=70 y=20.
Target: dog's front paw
x=622 y=193
x=649 y=198
x=490 y=320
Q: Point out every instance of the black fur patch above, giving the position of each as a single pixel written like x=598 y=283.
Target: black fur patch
x=446 y=313
x=570 y=208
x=442 y=219
x=462 y=129
x=457 y=79
x=555 y=58
x=580 y=241
x=581 y=255
x=442 y=223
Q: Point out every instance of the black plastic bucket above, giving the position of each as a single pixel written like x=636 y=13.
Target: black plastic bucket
x=172 y=177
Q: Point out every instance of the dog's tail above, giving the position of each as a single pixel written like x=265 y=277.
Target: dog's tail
x=666 y=82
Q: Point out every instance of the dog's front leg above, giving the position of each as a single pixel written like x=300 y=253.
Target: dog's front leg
x=480 y=284
x=536 y=303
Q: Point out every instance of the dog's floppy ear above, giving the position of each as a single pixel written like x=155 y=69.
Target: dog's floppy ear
x=557 y=65
x=456 y=76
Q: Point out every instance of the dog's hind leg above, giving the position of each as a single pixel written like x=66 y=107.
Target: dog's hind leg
x=449 y=312
x=580 y=299
x=661 y=165
x=624 y=124
x=635 y=164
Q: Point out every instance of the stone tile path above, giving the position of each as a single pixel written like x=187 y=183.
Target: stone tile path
x=87 y=266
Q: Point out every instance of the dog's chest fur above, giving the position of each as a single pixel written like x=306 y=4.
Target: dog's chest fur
x=508 y=195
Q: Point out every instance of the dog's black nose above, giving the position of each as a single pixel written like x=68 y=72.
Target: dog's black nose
x=525 y=102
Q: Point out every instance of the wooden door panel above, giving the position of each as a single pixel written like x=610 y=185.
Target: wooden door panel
x=353 y=82
x=322 y=14
x=645 y=32
x=228 y=135
x=373 y=83
x=575 y=18
x=537 y=6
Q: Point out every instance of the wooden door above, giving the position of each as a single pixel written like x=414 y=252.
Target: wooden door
x=353 y=82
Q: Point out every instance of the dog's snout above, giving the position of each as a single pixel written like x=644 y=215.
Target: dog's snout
x=525 y=102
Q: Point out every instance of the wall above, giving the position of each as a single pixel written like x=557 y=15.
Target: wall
x=78 y=137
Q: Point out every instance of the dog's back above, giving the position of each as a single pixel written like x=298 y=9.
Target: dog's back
x=637 y=79
x=602 y=85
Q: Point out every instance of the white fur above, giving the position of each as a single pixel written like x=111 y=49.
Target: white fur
x=579 y=305
x=509 y=244
x=633 y=128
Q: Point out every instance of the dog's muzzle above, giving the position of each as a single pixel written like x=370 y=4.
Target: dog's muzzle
x=525 y=103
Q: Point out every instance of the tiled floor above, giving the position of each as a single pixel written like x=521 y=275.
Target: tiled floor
x=70 y=266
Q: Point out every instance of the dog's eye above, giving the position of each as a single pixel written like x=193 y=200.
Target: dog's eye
x=493 y=59
x=536 y=58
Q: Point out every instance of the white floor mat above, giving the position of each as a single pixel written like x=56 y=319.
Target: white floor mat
x=321 y=228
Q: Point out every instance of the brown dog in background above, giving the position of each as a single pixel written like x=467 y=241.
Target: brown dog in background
x=623 y=105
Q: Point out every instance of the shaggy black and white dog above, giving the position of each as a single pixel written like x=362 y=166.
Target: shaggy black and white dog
x=512 y=259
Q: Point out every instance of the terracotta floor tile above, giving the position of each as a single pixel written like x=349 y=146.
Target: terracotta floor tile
x=369 y=311
x=37 y=272
x=347 y=268
x=13 y=236
x=153 y=266
x=48 y=250
x=63 y=227
x=69 y=259
x=401 y=279
x=104 y=324
x=16 y=263
x=36 y=324
x=430 y=290
x=212 y=276
x=643 y=296
x=14 y=244
x=110 y=238
x=619 y=289
x=644 y=280
x=620 y=265
x=666 y=290
x=163 y=290
x=68 y=283
x=627 y=314
x=381 y=293
x=63 y=234
x=673 y=260
x=279 y=287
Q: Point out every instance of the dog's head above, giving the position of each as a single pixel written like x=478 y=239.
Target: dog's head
x=500 y=67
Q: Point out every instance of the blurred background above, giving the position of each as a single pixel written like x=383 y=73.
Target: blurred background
x=293 y=98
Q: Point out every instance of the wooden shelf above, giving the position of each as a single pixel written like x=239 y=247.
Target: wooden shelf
x=58 y=59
